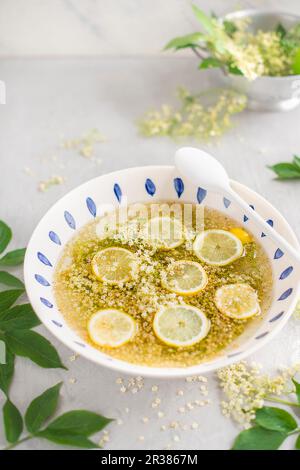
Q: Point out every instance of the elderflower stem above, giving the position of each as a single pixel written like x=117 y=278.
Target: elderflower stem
x=284 y=402
x=15 y=444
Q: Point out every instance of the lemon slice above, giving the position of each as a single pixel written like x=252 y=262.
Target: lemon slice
x=111 y=328
x=114 y=265
x=217 y=247
x=184 y=278
x=180 y=325
x=163 y=232
x=237 y=301
x=244 y=236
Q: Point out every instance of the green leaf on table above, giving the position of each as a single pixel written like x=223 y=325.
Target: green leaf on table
x=210 y=62
x=19 y=317
x=13 y=422
x=258 y=438
x=286 y=171
x=8 y=298
x=5 y=235
x=296 y=62
x=7 y=371
x=297 y=443
x=296 y=161
x=9 y=280
x=297 y=389
x=13 y=258
x=275 y=419
x=42 y=408
x=30 y=344
x=234 y=70
x=73 y=440
x=189 y=40
x=79 y=422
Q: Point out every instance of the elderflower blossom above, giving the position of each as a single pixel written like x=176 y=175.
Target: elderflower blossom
x=193 y=117
x=246 y=389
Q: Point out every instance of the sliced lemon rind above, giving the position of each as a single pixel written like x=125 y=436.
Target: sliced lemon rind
x=132 y=267
x=254 y=311
x=182 y=344
x=200 y=238
x=106 y=343
x=187 y=292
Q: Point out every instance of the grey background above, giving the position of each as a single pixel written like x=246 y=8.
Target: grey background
x=48 y=97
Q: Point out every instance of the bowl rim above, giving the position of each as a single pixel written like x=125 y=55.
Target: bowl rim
x=263 y=12
x=158 y=372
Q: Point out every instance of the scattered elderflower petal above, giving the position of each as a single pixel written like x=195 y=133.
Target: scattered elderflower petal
x=54 y=180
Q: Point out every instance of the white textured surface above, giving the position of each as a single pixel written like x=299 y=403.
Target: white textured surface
x=50 y=97
x=93 y=27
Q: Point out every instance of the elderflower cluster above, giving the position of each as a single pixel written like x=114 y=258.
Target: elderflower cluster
x=194 y=117
x=246 y=389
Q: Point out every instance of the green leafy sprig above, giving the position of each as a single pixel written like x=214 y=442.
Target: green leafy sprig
x=73 y=428
x=287 y=170
x=271 y=427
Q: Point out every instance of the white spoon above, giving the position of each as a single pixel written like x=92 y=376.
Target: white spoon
x=205 y=171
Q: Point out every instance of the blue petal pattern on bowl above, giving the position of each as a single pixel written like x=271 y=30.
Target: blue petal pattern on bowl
x=279 y=315
x=70 y=220
x=286 y=294
x=179 y=186
x=43 y=259
x=54 y=237
x=150 y=187
x=91 y=206
x=46 y=302
x=118 y=192
x=41 y=280
x=201 y=195
x=286 y=273
x=226 y=202
x=278 y=253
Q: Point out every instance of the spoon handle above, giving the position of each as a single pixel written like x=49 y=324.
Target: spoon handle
x=267 y=229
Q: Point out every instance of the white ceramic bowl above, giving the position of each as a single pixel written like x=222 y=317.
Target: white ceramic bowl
x=148 y=184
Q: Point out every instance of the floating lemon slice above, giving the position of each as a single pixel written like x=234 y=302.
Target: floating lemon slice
x=111 y=328
x=180 y=325
x=217 y=247
x=184 y=278
x=163 y=232
x=114 y=265
x=244 y=236
x=237 y=301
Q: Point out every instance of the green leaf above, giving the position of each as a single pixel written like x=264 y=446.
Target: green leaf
x=297 y=389
x=8 y=297
x=296 y=161
x=207 y=22
x=19 y=317
x=280 y=30
x=234 y=70
x=13 y=258
x=42 y=408
x=229 y=27
x=13 y=422
x=7 y=372
x=30 y=344
x=297 y=444
x=73 y=440
x=210 y=62
x=275 y=419
x=286 y=171
x=296 y=62
x=190 y=40
x=9 y=280
x=5 y=235
x=79 y=422
x=258 y=438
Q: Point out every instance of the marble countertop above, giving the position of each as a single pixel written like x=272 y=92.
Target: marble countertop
x=50 y=98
